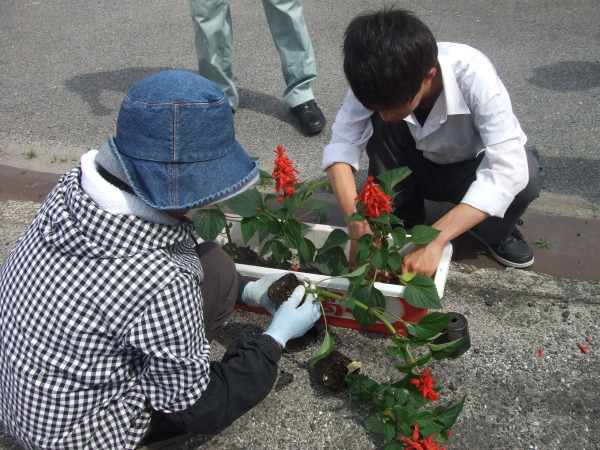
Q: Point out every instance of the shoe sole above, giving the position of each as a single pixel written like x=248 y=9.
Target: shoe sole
x=499 y=258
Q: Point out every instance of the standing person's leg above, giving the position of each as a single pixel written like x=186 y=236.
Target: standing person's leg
x=213 y=39
x=290 y=35
x=219 y=288
x=291 y=38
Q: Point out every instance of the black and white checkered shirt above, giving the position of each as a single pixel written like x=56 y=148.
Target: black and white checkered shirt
x=100 y=322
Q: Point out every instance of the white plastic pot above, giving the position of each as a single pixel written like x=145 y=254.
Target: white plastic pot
x=336 y=310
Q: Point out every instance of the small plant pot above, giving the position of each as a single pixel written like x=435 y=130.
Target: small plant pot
x=456 y=329
x=279 y=292
x=333 y=369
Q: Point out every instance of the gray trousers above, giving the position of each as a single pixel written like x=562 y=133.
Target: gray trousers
x=219 y=289
x=392 y=146
x=214 y=46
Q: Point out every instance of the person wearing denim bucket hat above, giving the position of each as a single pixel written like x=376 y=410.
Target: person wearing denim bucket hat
x=134 y=301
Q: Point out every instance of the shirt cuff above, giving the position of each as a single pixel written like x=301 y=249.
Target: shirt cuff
x=270 y=347
x=339 y=152
x=488 y=198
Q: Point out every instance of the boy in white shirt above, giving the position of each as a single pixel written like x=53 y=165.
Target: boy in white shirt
x=441 y=110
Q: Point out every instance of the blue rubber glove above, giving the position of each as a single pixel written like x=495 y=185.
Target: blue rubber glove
x=255 y=292
x=291 y=321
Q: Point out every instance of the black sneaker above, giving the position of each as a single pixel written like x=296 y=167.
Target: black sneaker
x=309 y=115
x=512 y=251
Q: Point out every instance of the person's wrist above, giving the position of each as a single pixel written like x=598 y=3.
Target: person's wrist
x=281 y=343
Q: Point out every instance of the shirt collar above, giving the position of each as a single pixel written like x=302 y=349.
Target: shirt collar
x=455 y=103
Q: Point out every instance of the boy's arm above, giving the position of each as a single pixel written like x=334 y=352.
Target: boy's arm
x=341 y=177
x=424 y=259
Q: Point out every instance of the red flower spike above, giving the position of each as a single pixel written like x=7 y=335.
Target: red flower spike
x=588 y=340
x=540 y=352
x=374 y=200
x=582 y=348
x=423 y=444
x=425 y=385
x=284 y=174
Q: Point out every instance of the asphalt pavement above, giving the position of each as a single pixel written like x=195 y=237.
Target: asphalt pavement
x=65 y=66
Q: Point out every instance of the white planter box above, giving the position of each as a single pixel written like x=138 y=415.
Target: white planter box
x=336 y=310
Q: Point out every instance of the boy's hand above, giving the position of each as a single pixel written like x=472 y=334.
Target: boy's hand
x=423 y=260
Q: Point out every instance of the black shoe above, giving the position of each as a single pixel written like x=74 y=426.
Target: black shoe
x=309 y=115
x=512 y=251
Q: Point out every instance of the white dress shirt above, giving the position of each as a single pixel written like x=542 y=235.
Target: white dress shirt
x=472 y=114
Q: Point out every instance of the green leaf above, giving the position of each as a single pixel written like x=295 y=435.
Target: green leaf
x=430 y=326
x=359 y=272
x=380 y=258
x=448 y=417
x=279 y=251
x=266 y=248
x=441 y=351
x=365 y=249
x=398 y=236
x=374 y=424
x=325 y=349
x=400 y=351
x=364 y=318
x=384 y=218
x=421 y=292
x=389 y=430
x=249 y=226
x=354 y=217
x=422 y=234
x=312 y=187
x=209 y=223
x=371 y=297
x=289 y=206
x=265 y=228
x=332 y=262
x=247 y=204
x=420 y=332
x=264 y=175
x=394 y=262
x=428 y=428
x=306 y=251
x=337 y=238
x=417 y=401
x=292 y=233
x=391 y=178
x=399 y=396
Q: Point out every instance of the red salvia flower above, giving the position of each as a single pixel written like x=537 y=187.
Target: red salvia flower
x=582 y=348
x=374 y=200
x=284 y=174
x=425 y=385
x=423 y=444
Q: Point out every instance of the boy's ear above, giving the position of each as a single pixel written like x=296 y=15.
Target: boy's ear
x=430 y=74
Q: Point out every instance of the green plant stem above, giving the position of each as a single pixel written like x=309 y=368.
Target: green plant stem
x=228 y=234
x=374 y=311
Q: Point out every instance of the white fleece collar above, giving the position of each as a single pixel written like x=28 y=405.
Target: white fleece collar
x=112 y=199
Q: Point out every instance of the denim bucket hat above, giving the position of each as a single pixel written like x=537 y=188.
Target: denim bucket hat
x=176 y=142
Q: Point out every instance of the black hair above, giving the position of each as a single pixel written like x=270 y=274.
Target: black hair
x=387 y=55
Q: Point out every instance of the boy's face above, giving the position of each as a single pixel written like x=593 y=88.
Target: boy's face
x=426 y=96
x=400 y=112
